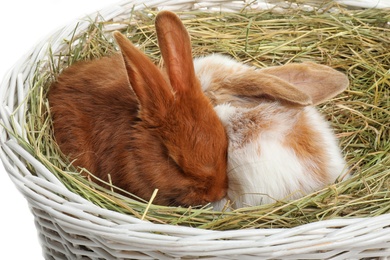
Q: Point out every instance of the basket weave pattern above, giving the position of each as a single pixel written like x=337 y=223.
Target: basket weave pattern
x=70 y=227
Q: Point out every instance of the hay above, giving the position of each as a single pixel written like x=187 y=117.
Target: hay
x=355 y=42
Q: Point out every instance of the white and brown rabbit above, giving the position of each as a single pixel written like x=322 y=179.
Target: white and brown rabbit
x=146 y=128
x=280 y=146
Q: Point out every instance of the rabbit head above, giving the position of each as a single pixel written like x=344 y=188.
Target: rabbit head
x=174 y=108
x=225 y=80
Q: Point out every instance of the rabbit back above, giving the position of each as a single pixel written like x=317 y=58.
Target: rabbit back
x=280 y=146
x=278 y=153
x=93 y=108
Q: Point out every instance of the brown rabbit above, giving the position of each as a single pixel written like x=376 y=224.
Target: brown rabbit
x=121 y=116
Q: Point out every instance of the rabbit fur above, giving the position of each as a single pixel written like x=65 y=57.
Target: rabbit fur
x=141 y=128
x=280 y=146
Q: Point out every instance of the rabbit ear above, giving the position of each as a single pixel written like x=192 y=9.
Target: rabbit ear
x=250 y=86
x=269 y=85
x=319 y=82
x=175 y=45
x=145 y=78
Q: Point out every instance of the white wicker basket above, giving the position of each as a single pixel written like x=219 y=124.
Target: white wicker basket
x=72 y=228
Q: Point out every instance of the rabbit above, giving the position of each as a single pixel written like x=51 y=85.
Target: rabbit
x=146 y=128
x=280 y=147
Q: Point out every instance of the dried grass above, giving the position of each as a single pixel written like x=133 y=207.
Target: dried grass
x=355 y=42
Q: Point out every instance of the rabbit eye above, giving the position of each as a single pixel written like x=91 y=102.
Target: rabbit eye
x=173 y=163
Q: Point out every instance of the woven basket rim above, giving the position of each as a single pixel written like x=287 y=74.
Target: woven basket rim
x=48 y=197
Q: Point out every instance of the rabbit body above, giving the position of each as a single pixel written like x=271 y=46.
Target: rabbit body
x=280 y=146
x=270 y=157
x=133 y=125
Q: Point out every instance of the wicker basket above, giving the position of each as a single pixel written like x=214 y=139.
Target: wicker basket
x=70 y=227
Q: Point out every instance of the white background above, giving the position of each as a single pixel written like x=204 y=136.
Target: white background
x=22 y=24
